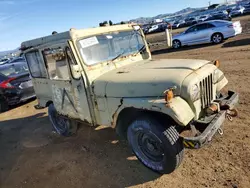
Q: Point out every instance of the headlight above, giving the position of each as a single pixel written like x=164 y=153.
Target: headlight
x=195 y=92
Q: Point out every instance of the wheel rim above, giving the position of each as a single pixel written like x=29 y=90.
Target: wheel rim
x=149 y=146
x=217 y=38
x=176 y=44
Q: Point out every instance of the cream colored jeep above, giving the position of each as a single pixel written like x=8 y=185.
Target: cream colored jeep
x=106 y=76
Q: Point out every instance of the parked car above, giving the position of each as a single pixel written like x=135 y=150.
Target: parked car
x=247 y=9
x=17 y=59
x=219 y=17
x=211 y=31
x=3 y=61
x=179 y=24
x=158 y=28
x=203 y=18
x=238 y=11
x=15 y=84
x=190 y=21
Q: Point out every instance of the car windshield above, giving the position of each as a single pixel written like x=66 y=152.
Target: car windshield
x=108 y=47
x=13 y=69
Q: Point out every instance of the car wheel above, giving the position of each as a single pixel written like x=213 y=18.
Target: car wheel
x=176 y=44
x=157 y=147
x=61 y=125
x=217 y=38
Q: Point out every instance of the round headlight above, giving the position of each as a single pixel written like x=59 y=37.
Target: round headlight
x=195 y=92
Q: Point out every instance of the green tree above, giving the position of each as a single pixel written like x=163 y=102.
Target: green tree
x=110 y=22
x=122 y=22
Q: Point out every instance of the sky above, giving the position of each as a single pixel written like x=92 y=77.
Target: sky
x=22 y=20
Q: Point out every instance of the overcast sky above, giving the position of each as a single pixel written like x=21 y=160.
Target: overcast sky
x=22 y=20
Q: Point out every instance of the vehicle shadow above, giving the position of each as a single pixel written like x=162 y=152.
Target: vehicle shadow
x=95 y=157
x=184 y=48
x=241 y=42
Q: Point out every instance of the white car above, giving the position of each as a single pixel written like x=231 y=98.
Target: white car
x=237 y=11
x=207 y=32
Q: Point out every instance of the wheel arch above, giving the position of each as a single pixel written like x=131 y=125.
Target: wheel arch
x=127 y=115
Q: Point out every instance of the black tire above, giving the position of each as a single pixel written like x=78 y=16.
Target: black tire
x=176 y=44
x=157 y=147
x=217 y=38
x=3 y=105
x=61 y=125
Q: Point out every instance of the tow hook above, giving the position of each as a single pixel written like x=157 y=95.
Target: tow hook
x=231 y=113
x=220 y=131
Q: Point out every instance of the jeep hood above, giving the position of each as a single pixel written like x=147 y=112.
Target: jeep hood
x=148 y=78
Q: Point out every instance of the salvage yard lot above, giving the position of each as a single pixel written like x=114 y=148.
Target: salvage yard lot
x=32 y=156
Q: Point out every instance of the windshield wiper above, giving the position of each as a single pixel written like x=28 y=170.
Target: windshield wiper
x=141 y=49
x=116 y=57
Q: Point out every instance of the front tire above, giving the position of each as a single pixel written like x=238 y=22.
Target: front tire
x=158 y=147
x=62 y=125
x=217 y=38
x=176 y=44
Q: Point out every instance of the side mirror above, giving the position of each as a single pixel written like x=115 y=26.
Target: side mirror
x=76 y=71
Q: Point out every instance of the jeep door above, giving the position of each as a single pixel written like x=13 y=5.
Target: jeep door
x=68 y=92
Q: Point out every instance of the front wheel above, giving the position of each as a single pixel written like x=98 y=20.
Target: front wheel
x=158 y=147
x=176 y=44
x=61 y=125
x=217 y=38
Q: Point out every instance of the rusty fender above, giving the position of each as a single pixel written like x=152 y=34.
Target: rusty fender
x=178 y=109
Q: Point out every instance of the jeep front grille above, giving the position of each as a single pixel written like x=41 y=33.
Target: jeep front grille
x=206 y=91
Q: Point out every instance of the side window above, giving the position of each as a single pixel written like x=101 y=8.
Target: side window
x=56 y=63
x=36 y=65
x=210 y=25
x=201 y=27
x=191 y=29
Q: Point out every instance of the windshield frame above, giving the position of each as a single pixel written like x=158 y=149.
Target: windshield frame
x=78 y=45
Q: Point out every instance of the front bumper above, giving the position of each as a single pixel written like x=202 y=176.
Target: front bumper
x=206 y=136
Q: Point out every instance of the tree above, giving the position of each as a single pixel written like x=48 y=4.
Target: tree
x=122 y=22
x=110 y=22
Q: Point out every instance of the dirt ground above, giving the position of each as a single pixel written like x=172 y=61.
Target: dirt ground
x=32 y=156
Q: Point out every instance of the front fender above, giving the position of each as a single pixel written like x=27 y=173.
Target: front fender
x=178 y=109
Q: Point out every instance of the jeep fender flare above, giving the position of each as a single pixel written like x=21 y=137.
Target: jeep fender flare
x=178 y=109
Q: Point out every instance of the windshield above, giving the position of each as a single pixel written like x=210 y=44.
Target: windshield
x=13 y=69
x=108 y=47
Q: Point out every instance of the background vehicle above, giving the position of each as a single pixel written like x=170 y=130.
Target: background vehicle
x=219 y=17
x=247 y=9
x=203 y=18
x=158 y=28
x=207 y=32
x=190 y=21
x=17 y=59
x=15 y=84
x=179 y=24
x=238 y=11
x=3 y=61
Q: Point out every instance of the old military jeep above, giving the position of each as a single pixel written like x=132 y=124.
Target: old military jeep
x=106 y=76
